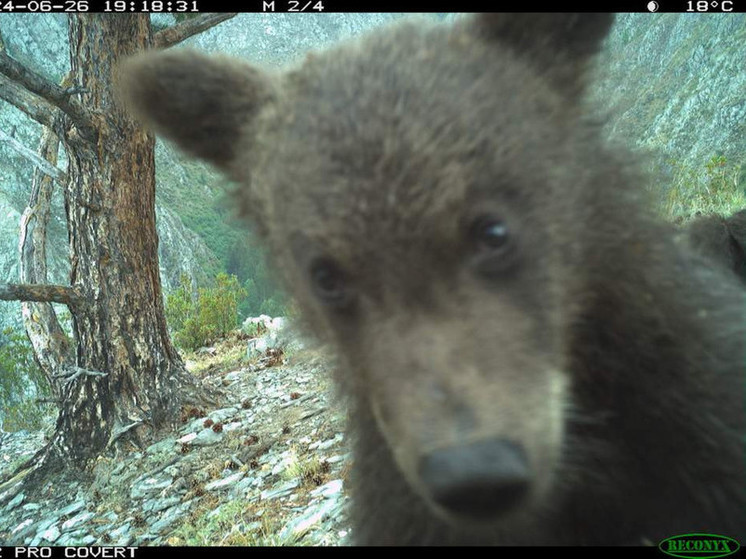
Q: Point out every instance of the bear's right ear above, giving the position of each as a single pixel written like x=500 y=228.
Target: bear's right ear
x=203 y=103
x=559 y=45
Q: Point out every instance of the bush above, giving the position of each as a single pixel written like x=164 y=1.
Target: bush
x=22 y=383
x=198 y=321
x=180 y=304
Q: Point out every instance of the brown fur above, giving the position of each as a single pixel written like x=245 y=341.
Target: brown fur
x=721 y=239
x=609 y=355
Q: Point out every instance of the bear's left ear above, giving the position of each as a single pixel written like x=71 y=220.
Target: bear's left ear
x=206 y=104
x=558 y=45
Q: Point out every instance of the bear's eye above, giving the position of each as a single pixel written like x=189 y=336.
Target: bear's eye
x=492 y=246
x=329 y=283
x=489 y=233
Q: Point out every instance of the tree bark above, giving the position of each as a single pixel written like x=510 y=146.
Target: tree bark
x=110 y=206
x=125 y=372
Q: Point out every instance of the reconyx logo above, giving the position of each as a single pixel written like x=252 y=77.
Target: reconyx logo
x=701 y=546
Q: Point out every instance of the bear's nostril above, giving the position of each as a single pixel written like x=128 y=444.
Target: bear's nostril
x=481 y=479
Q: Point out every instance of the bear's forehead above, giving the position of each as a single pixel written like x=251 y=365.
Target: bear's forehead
x=395 y=137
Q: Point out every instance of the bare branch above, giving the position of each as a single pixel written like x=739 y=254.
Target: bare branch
x=54 y=401
x=52 y=348
x=39 y=162
x=41 y=293
x=34 y=106
x=50 y=91
x=177 y=33
x=69 y=374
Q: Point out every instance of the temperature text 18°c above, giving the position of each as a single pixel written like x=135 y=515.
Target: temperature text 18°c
x=709 y=6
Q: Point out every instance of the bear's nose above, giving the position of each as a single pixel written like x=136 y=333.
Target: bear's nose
x=480 y=479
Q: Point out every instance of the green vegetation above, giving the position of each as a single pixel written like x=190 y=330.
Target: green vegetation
x=232 y=523
x=309 y=471
x=198 y=321
x=263 y=296
x=719 y=186
x=22 y=383
x=195 y=192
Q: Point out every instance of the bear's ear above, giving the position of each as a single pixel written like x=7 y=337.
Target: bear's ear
x=203 y=103
x=559 y=45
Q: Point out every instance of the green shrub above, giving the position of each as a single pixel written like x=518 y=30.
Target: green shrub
x=180 y=304
x=198 y=321
x=22 y=383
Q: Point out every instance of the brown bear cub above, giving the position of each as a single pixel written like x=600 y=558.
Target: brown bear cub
x=722 y=239
x=528 y=354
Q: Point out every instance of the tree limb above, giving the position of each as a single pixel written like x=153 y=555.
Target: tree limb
x=178 y=33
x=52 y=348
x=34 y=106
x=39 y=162
x=50 y=91
x=64 y=294
x=70 y=373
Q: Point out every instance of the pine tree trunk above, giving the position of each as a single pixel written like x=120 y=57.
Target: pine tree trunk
x=110 y=205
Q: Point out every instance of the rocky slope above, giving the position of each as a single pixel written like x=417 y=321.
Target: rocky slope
x=673 y=86
x=267 y=466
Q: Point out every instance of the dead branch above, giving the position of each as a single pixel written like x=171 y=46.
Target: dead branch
x=58 y=96
x=34 y=106
x=69 y=374
x=177 y=33
x=64 y=294
x=39 y=162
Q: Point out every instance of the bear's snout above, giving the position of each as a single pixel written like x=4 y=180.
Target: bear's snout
x=480 y=479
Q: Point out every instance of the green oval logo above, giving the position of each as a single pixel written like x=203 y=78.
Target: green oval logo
x=699 y=546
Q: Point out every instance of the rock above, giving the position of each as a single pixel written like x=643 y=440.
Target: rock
x=221 y=483
x=25 y=524
x=17 y=500
x=222 y=415
x=51 y=534
x=278 y=334
x=338 y=458
x=319 y=445
x=170 y=516
x=72 y=508
x=78 y=519
x=206 y=437
x=234 y=376
x=149 y=486
x=161 y=447
x=257 y=347
x=123 y=532
x=254 y=323
x=228 y=427
x=329 y=490
x=298 y=527
x=282 y=491
x=157 y=505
